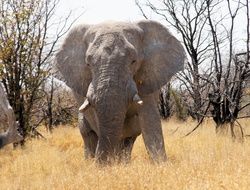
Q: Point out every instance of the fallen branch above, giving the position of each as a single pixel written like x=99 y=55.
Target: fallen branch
x=241 y=128
x=197 y=126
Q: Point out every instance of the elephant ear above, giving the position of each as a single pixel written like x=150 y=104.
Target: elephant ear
x=70 y=61
x=163 y=56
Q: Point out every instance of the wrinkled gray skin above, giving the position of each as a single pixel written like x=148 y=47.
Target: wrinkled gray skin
x=7 y=118
x=112 y=68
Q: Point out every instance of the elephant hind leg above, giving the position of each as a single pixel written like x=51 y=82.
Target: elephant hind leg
x=126 y=148
x=90 y=138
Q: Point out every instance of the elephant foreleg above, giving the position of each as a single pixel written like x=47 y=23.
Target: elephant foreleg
x=151 y=129
x=90 y=138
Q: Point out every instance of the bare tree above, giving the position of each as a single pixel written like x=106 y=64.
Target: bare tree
x=59 y=106
x=171 y=103
x=229 y=79
x=216 y=75
x=26 y=51
x=165 y=106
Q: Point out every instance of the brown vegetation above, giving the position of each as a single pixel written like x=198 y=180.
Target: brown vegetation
x=199 y=161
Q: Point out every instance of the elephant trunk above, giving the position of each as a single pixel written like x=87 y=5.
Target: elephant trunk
x=111 y=110
x=110 y=96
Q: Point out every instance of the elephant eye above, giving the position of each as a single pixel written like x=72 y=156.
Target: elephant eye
x=133 y=62
x=89 y=60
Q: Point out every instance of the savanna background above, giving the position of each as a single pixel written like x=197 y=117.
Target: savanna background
x=204 y=109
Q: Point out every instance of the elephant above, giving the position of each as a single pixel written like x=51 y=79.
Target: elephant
x=115 y=70
x=7 y=118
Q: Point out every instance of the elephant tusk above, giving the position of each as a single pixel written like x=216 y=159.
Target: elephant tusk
x=137 y=99
x=84 y=106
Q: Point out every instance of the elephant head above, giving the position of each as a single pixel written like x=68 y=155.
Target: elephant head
x=110 y=66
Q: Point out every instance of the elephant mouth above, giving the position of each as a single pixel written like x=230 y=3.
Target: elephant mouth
x=86 y=104
x=132 y=93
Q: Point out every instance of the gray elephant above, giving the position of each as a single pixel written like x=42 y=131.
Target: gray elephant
x=115 y=70
x=7 y=119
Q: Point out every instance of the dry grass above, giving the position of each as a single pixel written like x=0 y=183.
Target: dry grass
x=200 y=161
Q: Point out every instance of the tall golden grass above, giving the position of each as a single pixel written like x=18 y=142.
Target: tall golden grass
x=199 y=161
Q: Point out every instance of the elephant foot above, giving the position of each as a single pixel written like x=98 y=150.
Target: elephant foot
x=158 y=157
